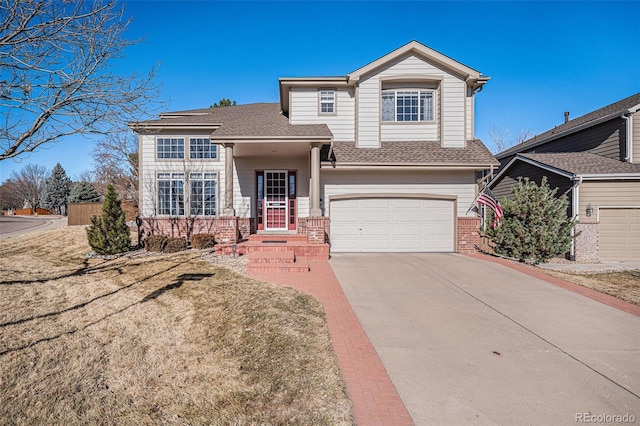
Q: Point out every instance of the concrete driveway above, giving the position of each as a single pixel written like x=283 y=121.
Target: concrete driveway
x=467 y=341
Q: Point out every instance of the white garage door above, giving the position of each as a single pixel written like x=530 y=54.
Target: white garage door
x=392 y=225
x=619 y=234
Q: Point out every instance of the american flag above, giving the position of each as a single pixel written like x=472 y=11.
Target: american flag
x=487 y=198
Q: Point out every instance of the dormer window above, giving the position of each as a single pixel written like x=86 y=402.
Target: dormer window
x=407 y=105
x=327 y=101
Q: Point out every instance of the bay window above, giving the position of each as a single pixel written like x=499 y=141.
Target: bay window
x=407 y=105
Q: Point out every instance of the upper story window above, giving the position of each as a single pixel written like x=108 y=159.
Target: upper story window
x=327 y=101
x=407 y=105
x=169 y=148
x=202 y=148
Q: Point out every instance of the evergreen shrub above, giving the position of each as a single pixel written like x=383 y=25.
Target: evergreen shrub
x=535 y=225
x=109 y=234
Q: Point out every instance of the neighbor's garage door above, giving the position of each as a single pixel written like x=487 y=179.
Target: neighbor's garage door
x=619 y=234
x=392 y=225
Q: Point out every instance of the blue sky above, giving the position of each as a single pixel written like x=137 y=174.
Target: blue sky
x=544 y=58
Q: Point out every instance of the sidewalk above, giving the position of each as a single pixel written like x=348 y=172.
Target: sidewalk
x=375 y=399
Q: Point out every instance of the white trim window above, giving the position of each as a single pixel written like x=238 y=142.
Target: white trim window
x=327 y=101
x=170 y=148
x=202 y=148
x=170 y=194
x=203 y=194
x=407 y=105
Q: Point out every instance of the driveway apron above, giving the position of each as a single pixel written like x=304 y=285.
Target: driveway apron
x=467 y=341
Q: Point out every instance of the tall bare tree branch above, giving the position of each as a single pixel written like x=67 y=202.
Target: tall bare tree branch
x=56 y=73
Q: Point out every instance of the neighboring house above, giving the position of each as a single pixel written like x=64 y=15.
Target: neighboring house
x=595 y=160
x=382 y=159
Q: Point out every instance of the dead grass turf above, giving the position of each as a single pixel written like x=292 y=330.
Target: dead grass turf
x=167 y=339
x=624 y=285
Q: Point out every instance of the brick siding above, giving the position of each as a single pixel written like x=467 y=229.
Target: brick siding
x=468 y=234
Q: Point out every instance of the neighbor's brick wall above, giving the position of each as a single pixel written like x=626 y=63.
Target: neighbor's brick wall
x=468 y=234
x=586 y=244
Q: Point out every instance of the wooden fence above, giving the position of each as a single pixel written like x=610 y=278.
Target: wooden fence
x=28 y=212
x=81 y=213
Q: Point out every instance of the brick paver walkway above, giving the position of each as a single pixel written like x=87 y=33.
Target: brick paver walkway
x=375 y=399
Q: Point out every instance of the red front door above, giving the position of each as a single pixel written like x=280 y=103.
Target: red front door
x=276 y=200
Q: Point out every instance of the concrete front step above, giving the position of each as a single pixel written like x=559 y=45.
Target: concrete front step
x=301 y=264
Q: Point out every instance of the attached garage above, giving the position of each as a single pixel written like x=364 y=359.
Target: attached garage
x=619 y=234
x=410 y=223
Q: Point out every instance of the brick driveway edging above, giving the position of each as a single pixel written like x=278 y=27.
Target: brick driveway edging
x=374 y=397
x=608 y=300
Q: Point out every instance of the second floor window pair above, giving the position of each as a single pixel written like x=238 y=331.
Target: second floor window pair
x=173 y=148
x=407 y=105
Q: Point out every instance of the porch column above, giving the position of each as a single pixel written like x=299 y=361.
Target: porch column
x=314 y=192
x=228 y=181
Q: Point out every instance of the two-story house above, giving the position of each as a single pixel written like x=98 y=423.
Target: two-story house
x=382 y=159
x=595 y=160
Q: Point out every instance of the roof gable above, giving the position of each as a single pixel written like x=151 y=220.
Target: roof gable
x=420 y=50
x=572 y=165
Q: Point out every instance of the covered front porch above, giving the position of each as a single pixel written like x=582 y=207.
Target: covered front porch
x=269 y=195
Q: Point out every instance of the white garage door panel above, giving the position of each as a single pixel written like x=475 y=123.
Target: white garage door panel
x=392 y=225
x=619 y=234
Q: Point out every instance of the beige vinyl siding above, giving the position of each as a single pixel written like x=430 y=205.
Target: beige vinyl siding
x=150 y=166
x=457 y=183
x=608 y=193
x=304 y=109
x=636 y=138
x=450 y=115
x=244 y=185
x=398 y=132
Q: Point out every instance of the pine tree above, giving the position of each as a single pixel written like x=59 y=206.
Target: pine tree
x=56 y=190
x=535 y=225
x=109 y=233
x=83 y=192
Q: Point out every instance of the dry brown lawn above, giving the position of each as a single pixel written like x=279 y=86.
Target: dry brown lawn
x=624 y=285
x=161 y=339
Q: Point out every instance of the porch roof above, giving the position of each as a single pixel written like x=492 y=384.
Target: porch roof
x=250 y=121
x=419 y=153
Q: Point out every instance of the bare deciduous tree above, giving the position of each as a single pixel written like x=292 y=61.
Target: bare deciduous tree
x=116 y=159
x=502 y=138
x=30 y=181
x=56 y=77
x=10 y=196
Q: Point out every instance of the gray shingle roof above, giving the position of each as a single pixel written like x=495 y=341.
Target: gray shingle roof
x=614 y=108
x=583 y=163
x=412 y=153
x=250 y=120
